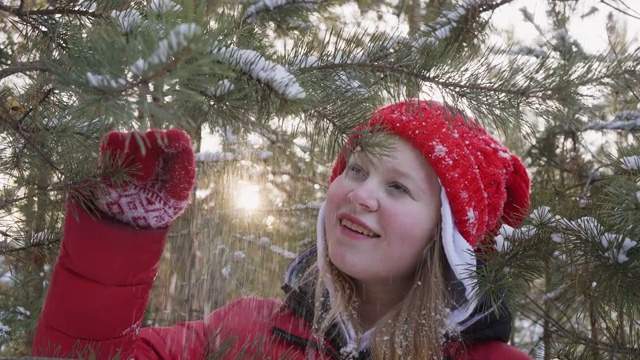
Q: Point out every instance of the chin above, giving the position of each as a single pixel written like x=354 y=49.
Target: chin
x=342 y=262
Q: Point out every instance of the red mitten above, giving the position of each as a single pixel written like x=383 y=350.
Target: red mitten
x=163 y=177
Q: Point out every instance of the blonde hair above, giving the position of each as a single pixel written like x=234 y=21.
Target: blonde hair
x=413 y=329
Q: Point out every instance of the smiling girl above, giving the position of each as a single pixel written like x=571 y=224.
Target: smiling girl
x=388 y=278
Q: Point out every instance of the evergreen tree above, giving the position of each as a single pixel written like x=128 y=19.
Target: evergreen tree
x=245 y=71
x=579 y=254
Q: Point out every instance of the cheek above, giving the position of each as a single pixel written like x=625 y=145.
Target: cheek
x=336 y=194
x=411 y=226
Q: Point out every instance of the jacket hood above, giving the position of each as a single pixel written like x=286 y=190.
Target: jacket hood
x=486 y=322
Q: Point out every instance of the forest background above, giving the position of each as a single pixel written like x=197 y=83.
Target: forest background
x=268 y=89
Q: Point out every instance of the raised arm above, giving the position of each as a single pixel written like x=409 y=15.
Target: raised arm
x=106 y=266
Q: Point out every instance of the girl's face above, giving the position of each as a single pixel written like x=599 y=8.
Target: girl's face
x=380 y=214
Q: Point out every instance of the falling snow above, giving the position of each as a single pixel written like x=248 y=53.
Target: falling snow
x=215 y=156
x=280 y=251
x=226 y=271
x=222 y=156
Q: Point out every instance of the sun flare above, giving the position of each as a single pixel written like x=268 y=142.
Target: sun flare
x=248 y=196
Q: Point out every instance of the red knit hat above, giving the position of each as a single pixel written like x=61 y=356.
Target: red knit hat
x=485 y=184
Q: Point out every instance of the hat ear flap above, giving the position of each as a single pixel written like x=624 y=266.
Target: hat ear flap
x=516 y=207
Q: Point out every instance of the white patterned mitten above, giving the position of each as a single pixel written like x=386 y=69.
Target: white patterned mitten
x=163 y=177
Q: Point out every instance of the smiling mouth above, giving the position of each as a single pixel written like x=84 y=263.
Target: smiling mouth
x=357 y=228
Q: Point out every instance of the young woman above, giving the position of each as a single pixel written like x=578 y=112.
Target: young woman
x=389 y=277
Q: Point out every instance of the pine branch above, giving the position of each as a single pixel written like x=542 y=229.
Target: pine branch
x=464 y=17
x=147 y=79
x=312 y=181
x=574 y=334
x=625 y=125
x=9 y=251
x=384 y=68
x=23 y=67
x=7 y=235
x=21 y=12
x=61 y=187
x=492 y=5
x=6 y=203
x=14 y=124
x=622 y=11
x=261 y=6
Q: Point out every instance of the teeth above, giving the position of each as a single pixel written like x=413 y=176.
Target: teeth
x=357 y=228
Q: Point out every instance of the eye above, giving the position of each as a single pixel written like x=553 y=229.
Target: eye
x=396 y=186
x=356 y=170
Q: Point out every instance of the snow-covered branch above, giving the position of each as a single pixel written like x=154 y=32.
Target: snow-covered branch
x=631 y=162
x=263 y=70
x=162 y=6
x=102 y=81
x=128 y=19
x=554 y=294
x=615 y=125
x=221 y=88
x=269 y=5
x=88 y=11
x=177 y=39
x=442 y=27
x=615 y=246
x=628 y=120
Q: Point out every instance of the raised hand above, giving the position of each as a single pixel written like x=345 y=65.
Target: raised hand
x=163 y=172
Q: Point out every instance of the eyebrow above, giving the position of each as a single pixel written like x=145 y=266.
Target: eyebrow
x=388 y=165
x=402 y=173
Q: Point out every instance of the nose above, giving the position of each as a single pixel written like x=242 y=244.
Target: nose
x=364 y=197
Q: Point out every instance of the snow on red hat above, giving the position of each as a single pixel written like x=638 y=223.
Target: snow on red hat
x=485 y=184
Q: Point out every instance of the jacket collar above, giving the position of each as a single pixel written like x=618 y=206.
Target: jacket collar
x=486 y=321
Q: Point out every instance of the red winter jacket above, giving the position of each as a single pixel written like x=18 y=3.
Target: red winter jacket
x=99 y=291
